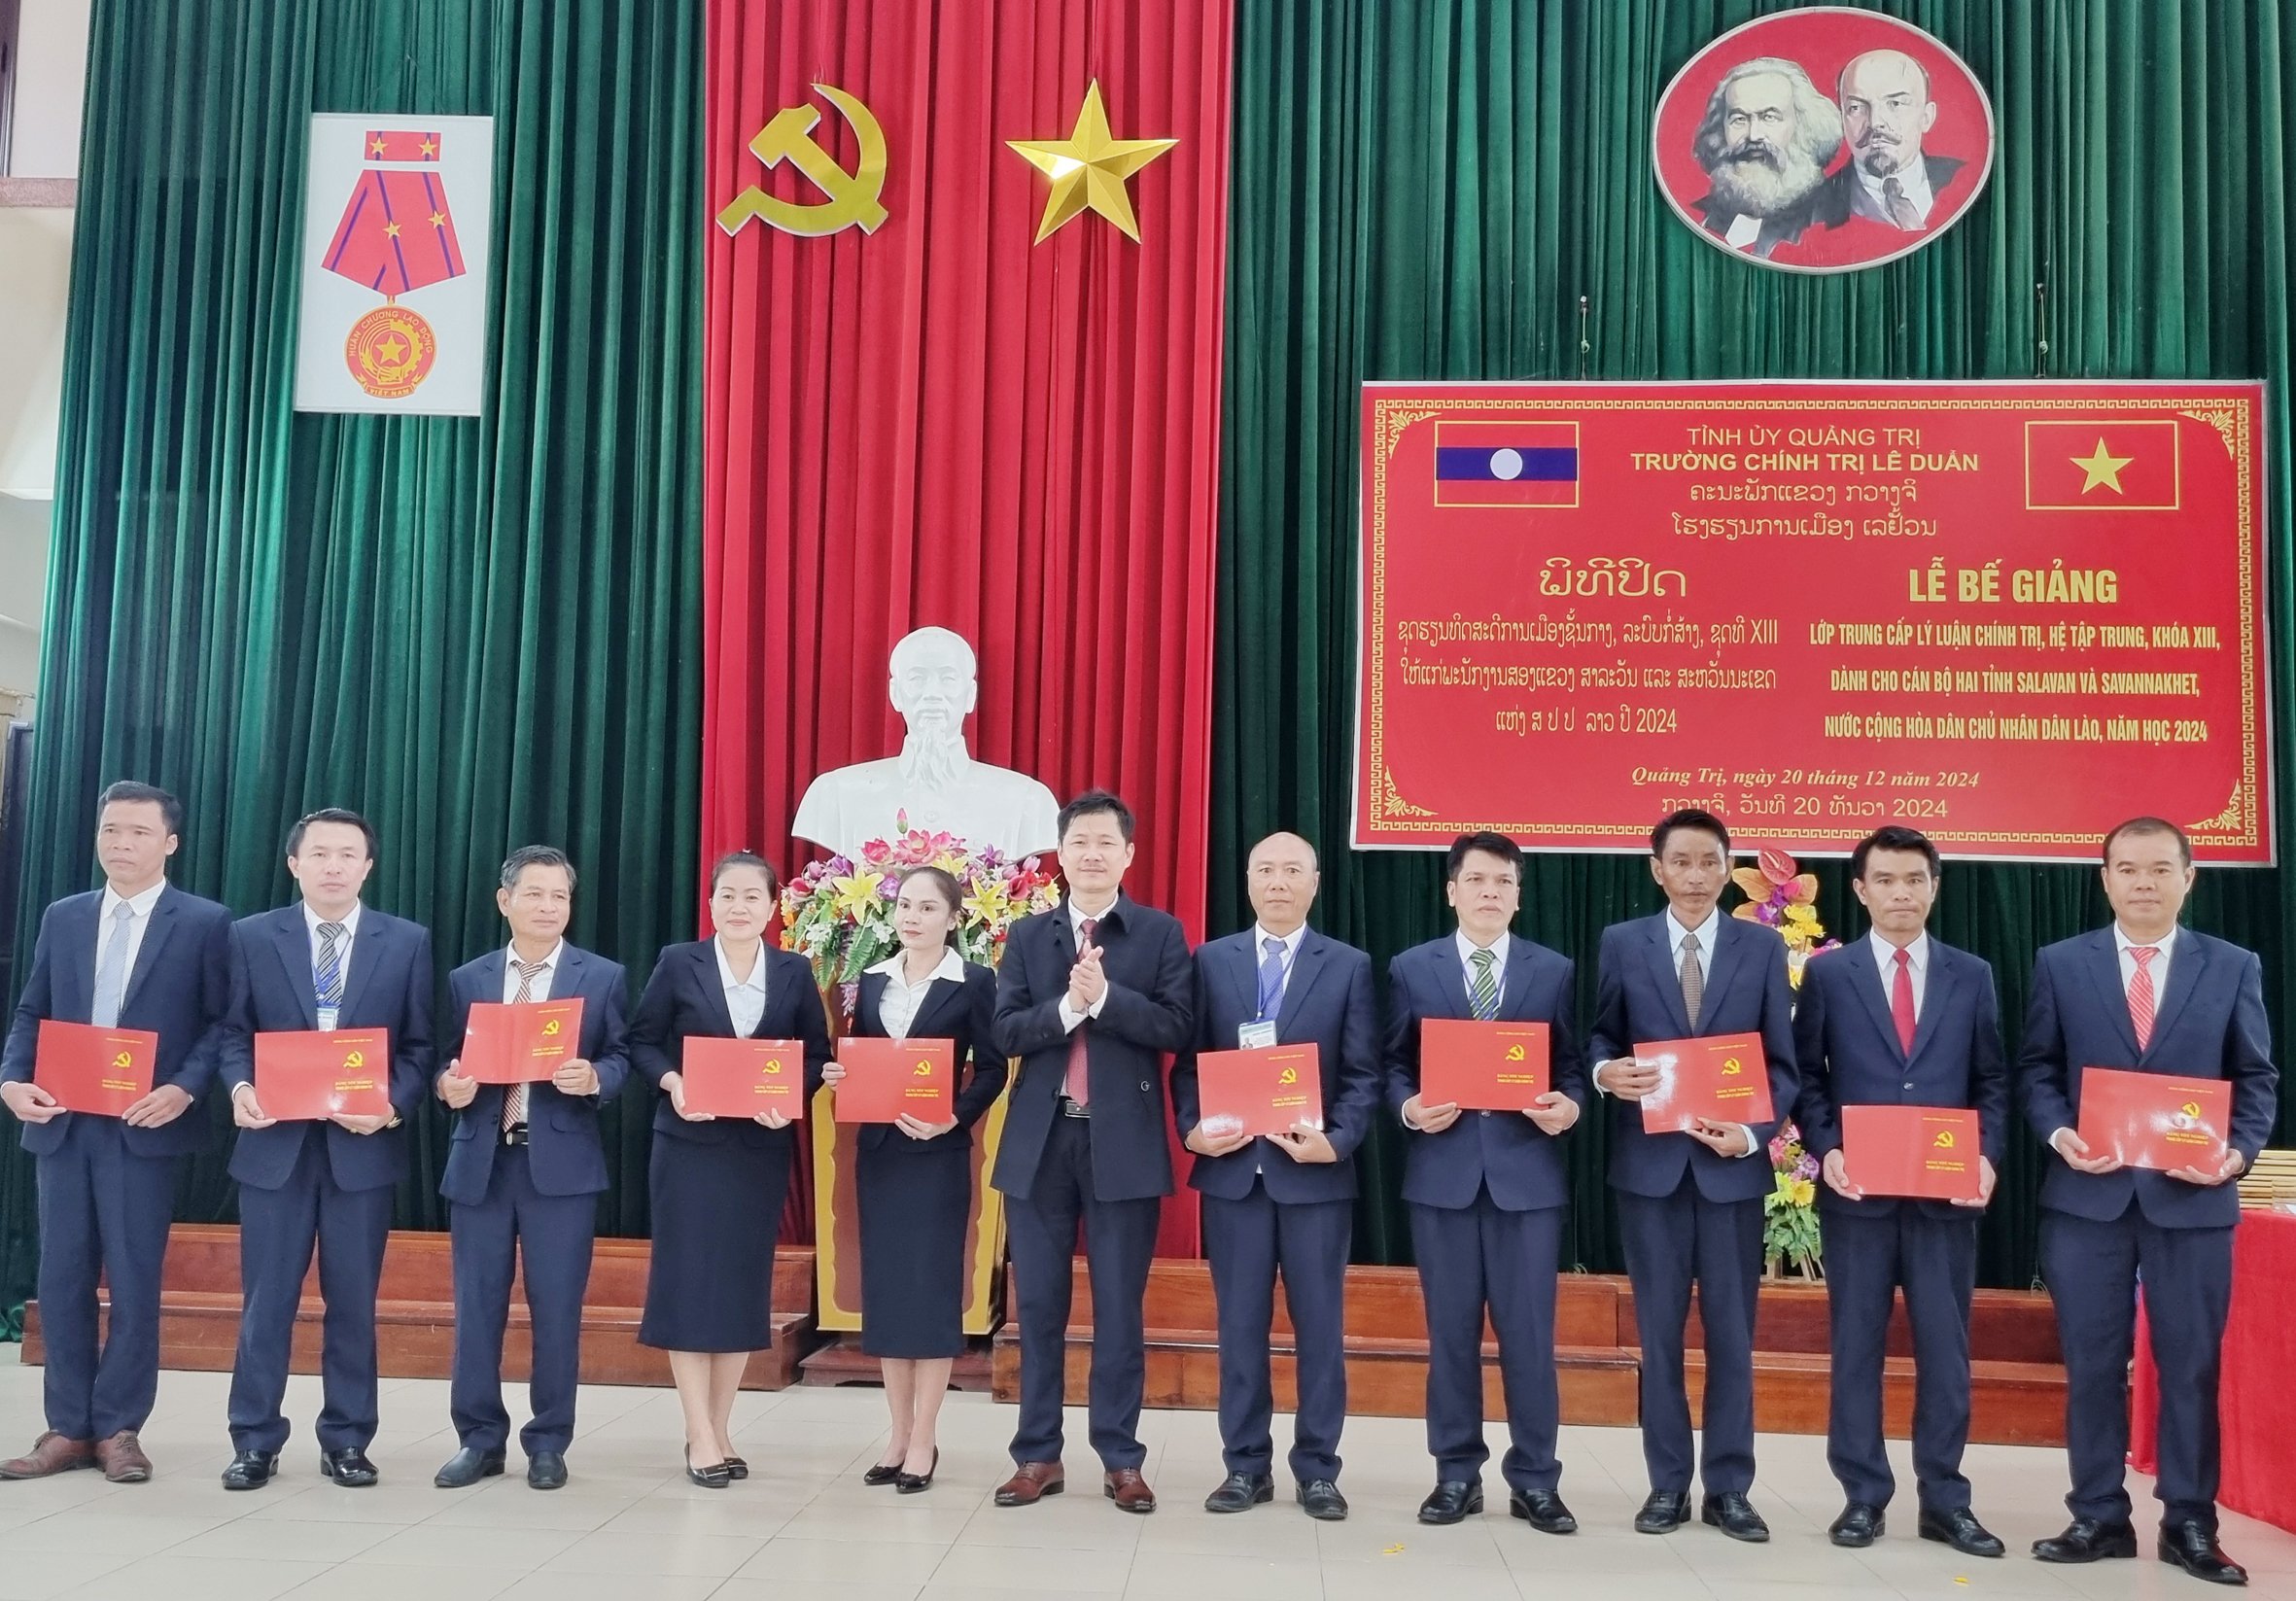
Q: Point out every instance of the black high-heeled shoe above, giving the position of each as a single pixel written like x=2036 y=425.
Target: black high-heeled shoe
x=714 y=1477
x=911 y=1483
x=883 y=1472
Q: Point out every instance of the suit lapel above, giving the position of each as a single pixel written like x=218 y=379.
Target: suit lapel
x=938 y=997
x=147 y=957
x=567 y=982
x=1867 y=980
x=293 y=941
x=78 y=999
x=1660 y=955
x=1452 y=979
x=1243 y=966
x=1936 y=997
x=368 y=945
x=2104 y=963
x=704 y=965
x=1306 y=967
x=1522 y=960
x=1731 y=936
x=2184 y=975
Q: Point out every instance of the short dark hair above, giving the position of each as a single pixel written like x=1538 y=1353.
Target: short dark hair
x=746 y=859
x=1489 y=844
x=2149 y=825
x=330 y=814
x=945 y=882
x=1891 y=837
x=536 y=855
x=129 y=792
x=1097 y=800
x=1690 y=817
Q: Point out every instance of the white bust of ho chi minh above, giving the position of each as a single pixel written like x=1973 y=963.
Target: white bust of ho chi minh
x=934 y=778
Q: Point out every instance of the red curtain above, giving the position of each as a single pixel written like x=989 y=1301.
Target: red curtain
x=942 y=422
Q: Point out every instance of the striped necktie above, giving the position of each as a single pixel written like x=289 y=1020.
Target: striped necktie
x=327 y=973
x=1482 y=995
x=514 y=1097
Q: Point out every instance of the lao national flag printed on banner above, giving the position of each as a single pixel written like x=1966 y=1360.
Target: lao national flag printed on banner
x=1507 y=464
x=2118 y=464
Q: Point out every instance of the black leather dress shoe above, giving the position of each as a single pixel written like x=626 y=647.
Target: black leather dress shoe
x=2192 y=1545
x=347 y=1468
x=2086 y=1540
x=1322 y=1501
x=1452 y=1501
x=1663 y=1512
x=883 y=1472
x=1542 y=1510
x=467 y=1467
x=1960 y=1529
x=1734 y=1515
x=737 y=1468
x=545 y=1471
x=1860 y=1524
x=1240 y=1492
x=251 y=1469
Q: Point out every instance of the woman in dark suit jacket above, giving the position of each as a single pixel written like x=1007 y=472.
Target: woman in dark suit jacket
x=717 y=1186
x=913 y=1180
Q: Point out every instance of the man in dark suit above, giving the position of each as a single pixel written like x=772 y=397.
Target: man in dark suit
x=524 y=1169
x=1690 y=1205
x=1488 y=1190
x=2148 y=997
x=1890 y=177
x=137 y=953
x=1090 y=996
x=325 y=962
x=1899 y=1020
x=1289 y=1200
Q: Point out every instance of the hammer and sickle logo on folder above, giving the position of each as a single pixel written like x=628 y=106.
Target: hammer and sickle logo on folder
x=773 y=1065
x=1730 y=1066
x=2191 y=1109
x=1514 y=1053
x=1944 y=1140
x=1290 y=1075
x=924 y=1070
x=851 y=196
x=550 y=1028
x=356 y=1059
x=124 y=1061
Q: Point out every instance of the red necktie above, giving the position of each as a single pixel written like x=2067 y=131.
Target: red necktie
x=1901 y=1002
x=2140 y=992
x=1078 y=1086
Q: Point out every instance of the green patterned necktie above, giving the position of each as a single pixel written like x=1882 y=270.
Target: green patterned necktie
x=1483 y=997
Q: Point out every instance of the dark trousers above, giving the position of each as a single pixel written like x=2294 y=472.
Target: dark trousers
x=277 y=1231
x=1866 y=1260
x=552 y=1236
x=2092 y=1270
x=1119 y=1242
x=1476 y=1257
x=1672 y=1242
x=1246 y=1241
x=103 y=1211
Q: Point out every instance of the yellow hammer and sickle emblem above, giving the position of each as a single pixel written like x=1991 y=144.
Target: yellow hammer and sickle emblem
x=773 y=1065
x=924 y=1069
x=1730 y=1065
x=122 y=1061
x=852 y=195
x=1514 y=1053
x=1290 y=1075
x=2192 y=1109
x=550 y=1028
x=1945 y=1139
x=357 y=1058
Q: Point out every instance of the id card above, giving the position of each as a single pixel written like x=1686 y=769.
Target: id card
x=1255 y=1036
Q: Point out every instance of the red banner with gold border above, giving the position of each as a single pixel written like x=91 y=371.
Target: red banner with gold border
x=2010 y=615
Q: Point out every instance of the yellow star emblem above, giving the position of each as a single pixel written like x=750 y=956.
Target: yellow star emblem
x=392 y=350
x=429 y=146
x=1089 y=169
x=2102 y=469
x=438 y=219
x=378 y=147
x=391 y=231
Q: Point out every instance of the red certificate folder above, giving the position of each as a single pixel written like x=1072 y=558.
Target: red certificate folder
x=522 y=1043
x=886 y=1078
x=743 y=1077
x=1264 y=1091
x=308 y=1075
x=1929 y=1153
x=100 y=1071
x=1482 y=1067
x=1723 y=1079
x=2155 y=1120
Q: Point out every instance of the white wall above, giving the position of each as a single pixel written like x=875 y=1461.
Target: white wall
x=51 y=78
x=35 y=278
x=23 y=592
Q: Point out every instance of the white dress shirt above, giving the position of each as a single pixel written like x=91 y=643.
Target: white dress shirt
x=896 y=1008
x=1917 y=963
x=1498 y=949
x=140 y=905
x=1070 y=1017
x=2122 y=944
x=349 y=923
x=1289 y=954
x=745 y=998
x=542 y=980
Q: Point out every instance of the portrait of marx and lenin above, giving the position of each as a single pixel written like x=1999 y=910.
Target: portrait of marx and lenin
x=1822 y=140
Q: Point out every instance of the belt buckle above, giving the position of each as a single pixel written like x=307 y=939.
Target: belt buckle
x=1073 y=1108
x=520 y=1136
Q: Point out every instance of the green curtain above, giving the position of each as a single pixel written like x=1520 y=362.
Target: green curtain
x=480 y=632
x=1425 y=189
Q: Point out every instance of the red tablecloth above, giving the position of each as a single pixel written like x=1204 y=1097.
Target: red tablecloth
x=2256 y=1398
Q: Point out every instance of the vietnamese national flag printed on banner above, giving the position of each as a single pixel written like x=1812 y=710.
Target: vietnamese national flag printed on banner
x=1507 y=464
x=2115 y=465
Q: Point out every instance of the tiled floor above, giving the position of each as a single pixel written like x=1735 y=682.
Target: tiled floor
x=630 y=1528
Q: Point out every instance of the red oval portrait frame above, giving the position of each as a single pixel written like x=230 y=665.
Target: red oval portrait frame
x=1843 y=222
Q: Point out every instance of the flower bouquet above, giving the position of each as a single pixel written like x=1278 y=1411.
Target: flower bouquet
x=1780 y=895
x=838 y=914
